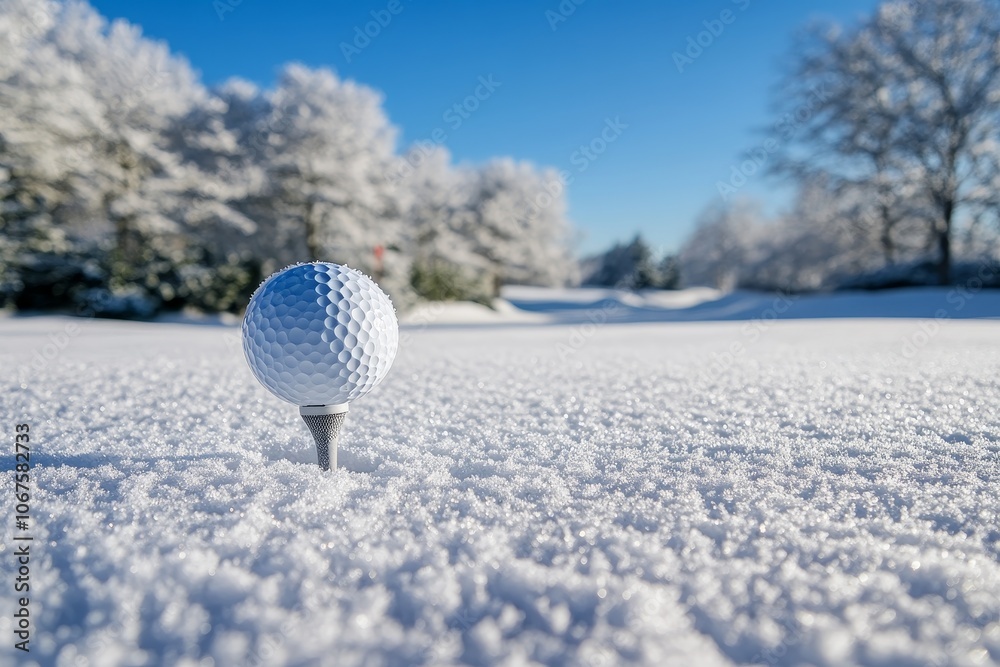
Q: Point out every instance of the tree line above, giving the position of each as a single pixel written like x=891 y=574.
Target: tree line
x=890 y=130
x=128 y=187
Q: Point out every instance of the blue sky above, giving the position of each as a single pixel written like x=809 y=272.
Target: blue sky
x=560 y=81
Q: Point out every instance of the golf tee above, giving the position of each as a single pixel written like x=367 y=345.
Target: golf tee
x=324 y=422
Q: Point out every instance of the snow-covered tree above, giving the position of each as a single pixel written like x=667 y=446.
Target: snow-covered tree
x=817 y=244
x=500 y=222
x=219 y=166
x=902 y=104
x=328 y=147
x=92 y=108
x=34 y=181
x=117 y=162
x=131 y=92
x=436 y=199
x=723 y=244
x=632 y=265
x=518 y=223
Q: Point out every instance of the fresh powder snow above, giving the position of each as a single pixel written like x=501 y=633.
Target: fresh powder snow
x=536 y=491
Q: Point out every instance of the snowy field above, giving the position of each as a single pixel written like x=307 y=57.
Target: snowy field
x=542 y=489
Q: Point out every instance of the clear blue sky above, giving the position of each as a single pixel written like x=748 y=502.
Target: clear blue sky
x=557 y=87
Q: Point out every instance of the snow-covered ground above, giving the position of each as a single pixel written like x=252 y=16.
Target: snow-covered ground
x=703 y=304
x=766 y=492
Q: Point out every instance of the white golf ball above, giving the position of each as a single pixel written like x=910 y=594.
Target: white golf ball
x=320 y=334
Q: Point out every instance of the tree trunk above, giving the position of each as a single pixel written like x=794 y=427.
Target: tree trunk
x=123 y=235
x=944 y=243
x=888 y=247
x=312 y=233
x=126 y=243
x=497 y=283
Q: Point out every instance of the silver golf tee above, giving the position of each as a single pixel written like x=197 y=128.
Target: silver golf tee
x=324 y=422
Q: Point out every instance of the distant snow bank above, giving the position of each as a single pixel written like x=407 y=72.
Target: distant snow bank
x=467 y=312
x=686 y=298
x=542 y=305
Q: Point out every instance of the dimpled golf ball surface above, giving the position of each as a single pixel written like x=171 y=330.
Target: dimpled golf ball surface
x=320 y=334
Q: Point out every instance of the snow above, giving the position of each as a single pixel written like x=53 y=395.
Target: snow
x=727 y=492
x=466 y=312
x=523 y=294
x=544 y=305
x=704 y=304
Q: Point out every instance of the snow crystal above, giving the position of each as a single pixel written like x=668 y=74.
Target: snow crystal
x=643 y=495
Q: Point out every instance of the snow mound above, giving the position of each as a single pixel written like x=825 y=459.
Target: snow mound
x=562 y=298
x=571 y=306
x=467 y=312
x=785 y=493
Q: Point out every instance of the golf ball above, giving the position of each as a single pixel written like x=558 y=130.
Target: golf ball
x=320 y=334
